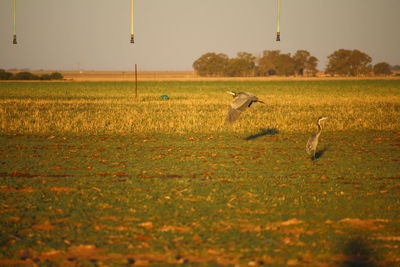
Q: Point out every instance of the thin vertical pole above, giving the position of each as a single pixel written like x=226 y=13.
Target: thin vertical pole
x=15 y=22
x=132 y=28
x=278 y=30
x=136 y=80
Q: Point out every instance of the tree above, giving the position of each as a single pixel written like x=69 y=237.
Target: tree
x=300 y=58
x=382 y=68
x=45 y=77
x=348 y=63
x=56 y=76
x=311 y=66
x=4 y=75
x=267 y=63
x=338 y=62
x=235 y=67
x=249 y=61
x=304 y=63
x=211 y=64
x=360 y=63
x=242 y=66
x=25 y=75
x=285 y=65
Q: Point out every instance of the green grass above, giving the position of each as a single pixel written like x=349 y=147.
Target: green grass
x=240 y=195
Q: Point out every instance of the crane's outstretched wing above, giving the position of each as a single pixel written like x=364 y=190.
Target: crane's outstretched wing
x=233 y=115
x=241 y=102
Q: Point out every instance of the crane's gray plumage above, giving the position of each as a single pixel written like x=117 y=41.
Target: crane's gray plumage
x=313 y=141
x=241 y=102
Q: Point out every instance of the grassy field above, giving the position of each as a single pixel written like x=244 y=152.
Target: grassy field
x=196 y=107
x=92 y=176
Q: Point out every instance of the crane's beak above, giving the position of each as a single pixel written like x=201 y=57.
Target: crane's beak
x=261 y=101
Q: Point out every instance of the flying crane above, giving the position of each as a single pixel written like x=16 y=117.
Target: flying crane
x=241 y=101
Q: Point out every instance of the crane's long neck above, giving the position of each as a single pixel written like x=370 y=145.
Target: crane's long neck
x=319 y=129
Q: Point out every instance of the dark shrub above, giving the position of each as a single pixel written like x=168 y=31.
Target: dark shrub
x=56 y=76
x=4 y=75
x=382 y=68
x=25 y=75
x=45 y=77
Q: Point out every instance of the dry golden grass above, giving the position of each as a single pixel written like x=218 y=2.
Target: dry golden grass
x=100 y=108
x=187 y=117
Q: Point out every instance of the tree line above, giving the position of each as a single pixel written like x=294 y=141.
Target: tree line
x=341 y=62
x=26 y=75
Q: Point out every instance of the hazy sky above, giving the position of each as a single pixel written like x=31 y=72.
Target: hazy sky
x=171 y=34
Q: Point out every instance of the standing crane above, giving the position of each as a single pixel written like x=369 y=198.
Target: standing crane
x=241 y=102
x=312 y=143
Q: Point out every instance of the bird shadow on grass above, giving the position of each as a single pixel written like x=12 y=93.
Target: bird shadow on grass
x=262 y=132
x=320 y=153
x=358 y=253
